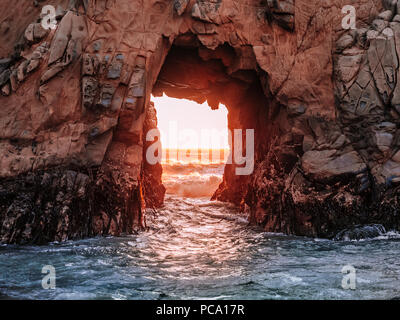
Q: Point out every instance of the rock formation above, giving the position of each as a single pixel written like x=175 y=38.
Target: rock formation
x=75 y=110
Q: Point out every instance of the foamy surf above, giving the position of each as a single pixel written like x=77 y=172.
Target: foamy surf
x=194 y=186
x=199 y=248
x=193 y=248
x=192 y=180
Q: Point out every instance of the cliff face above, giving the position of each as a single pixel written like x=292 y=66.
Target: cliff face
x=75 y=109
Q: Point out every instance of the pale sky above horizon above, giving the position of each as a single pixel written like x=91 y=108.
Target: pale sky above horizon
x=187 y=124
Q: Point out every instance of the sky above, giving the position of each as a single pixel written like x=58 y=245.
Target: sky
x=185 y=124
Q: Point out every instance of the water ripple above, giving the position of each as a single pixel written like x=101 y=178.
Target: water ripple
x=197 y=249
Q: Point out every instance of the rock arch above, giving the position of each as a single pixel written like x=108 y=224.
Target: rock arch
x=76 y=104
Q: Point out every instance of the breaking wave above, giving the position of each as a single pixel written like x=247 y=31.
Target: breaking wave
x=192 y=180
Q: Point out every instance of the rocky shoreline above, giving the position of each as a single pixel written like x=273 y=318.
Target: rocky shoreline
x=75 y=111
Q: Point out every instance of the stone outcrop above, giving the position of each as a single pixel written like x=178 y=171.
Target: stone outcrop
x=75 y=110
x=361 y=232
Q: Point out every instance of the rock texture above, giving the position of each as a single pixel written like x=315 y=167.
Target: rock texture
x=75 y=108
x=361 y=232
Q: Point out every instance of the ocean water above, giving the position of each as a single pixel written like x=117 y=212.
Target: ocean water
x=197 y=249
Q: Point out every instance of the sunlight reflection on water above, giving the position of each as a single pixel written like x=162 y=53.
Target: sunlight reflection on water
x=195 y=248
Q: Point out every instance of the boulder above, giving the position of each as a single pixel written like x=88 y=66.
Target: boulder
x=360 y=232
x=327 y=165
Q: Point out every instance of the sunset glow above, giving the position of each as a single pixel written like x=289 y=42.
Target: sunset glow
x=184 y=124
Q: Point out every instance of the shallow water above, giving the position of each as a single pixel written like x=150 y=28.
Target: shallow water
x=197 y=249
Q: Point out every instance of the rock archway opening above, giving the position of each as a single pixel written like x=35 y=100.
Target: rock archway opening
x=195 y=146
x=221 y=79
